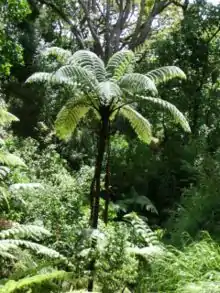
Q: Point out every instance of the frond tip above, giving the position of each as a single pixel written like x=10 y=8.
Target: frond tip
x=165 y=73
x=141 y=125
x=176 y=114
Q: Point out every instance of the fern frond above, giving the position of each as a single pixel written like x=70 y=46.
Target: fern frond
x=149 y=252
x=137 y=83
x=25 y=231
x=4 y=171
x=141 y=125
x=60 y=53
x=10 y=159
x=141 y=228
x=176 y=114
x=5 y=196
x=108 y=91
x=89 y=61
x=24 y=186
x=165 y=73
x=6 y=117
x=50 y=78
x=39 y=77
x=69 y=117
x=14 y=244
x=76 y=74
x=12 y=286
x=119 y=64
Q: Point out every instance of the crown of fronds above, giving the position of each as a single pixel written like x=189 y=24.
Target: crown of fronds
x=116 y=85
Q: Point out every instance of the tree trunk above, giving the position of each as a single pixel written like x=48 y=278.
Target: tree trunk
x=96 y=194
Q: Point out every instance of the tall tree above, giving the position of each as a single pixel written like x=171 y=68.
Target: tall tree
x=109 y=26
x=107 y=92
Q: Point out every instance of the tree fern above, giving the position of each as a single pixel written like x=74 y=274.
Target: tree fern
x=105 y=91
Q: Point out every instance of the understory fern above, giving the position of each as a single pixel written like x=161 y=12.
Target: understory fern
x=12 y=286
x=12 y=239
x=148 y=244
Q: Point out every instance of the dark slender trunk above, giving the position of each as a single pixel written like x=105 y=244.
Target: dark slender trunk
x=96 y=188
x=107 y=180
x=105 y=216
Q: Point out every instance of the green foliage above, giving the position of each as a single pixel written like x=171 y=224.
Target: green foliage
x=12 y=13
x=191 y=270
x=10 y=240
x=14 y=286
x=88 y=72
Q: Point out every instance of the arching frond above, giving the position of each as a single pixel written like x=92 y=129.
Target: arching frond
x=108 y=90
x=60 y=53
x=119 y=64
x=4 y=171
x=13 y=244
x=6 y=117
x=69 y=117
x=137 y=83
x=4 y=196
x=141 y=125
x=177 y=115
x=91 y=62
x=10 y=159
x=165 y=73
x=39 y=77
x=14 y=286
x=25 y=231
x=50 y=78
x=77 y=74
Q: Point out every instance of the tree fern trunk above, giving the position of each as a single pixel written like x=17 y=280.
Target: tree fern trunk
x=96 y=196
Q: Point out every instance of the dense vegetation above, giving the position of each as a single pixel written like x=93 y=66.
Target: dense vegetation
x=109 y=146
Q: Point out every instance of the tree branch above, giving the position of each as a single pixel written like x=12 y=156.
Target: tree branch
x=145 y=28
x=65 y=18
x=92 y=29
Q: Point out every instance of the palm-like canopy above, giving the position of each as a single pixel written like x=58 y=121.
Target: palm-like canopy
x=108 y=90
